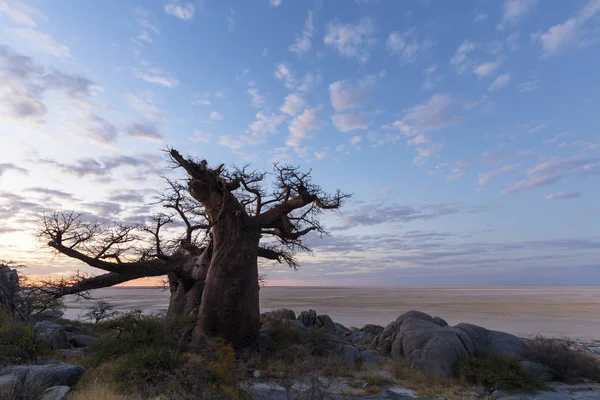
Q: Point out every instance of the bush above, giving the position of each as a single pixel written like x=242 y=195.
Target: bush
x=566 y=361
x=495 y=372
x=17 y=345
x=149 y=356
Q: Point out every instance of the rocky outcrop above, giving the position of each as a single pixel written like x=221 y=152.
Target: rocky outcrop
x=9 y=287
x=51 y=335
x=33 y=380
x=432 y=346
x=55 y=393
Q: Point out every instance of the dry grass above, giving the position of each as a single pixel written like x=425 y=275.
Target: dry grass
x=562 y=356
x=430 y=385
x=96 y=391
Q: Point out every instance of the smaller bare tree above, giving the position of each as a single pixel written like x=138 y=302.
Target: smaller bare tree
x=100 y=311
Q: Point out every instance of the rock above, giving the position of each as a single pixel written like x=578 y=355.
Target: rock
x=256 y=374
x=327 y=323
x=372 y=329
x=538 y=371
x=73 y=353
x=361 y=338
x=368 y=358
x=440 y=321
x=398 y=390
x=9 y=287
x=8 y=386
x=50 y=314
x=55 y=393
x=499 y=394
x=37 y=378
x=282 y=314
x=342 y=330
x=81 y=340
x=266 y=343
x=416 y=337
x=308 y=318
x=51 y=334
x=350 y=355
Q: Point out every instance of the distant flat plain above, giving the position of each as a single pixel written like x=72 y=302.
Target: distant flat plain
x=524 y=311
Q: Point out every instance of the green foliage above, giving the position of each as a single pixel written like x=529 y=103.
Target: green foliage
x=149 y=356
x=495 y=372
x=564 y=359
x=17 y=345
x=284 y=334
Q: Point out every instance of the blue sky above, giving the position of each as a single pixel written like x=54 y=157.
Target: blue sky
x=467 y=130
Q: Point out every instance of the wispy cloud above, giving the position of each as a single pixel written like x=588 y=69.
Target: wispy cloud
x=352 y=40
x=563 y=196
x=514 y=11
x=181 y=9
x=406 y=45
x=302 y=127
x=558 y=38
x=303 y=44
x=345 y=96
x=555 y=169
x=460 y=60
x=157 y=76
x=500 y=82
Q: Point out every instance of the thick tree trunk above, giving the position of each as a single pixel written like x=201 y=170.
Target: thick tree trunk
x=230 y=307
x=186 y=283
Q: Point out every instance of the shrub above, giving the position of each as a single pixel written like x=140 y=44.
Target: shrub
x=495 y=372
x=17 y=345
x=566 y=361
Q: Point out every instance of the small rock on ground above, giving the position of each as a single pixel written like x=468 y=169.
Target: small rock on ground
x=55 y=393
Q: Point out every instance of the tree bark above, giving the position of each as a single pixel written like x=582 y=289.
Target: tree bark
x=230 y=308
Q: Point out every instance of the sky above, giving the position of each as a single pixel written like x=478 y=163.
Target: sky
x=466 y=130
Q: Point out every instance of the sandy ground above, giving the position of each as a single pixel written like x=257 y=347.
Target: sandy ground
x=553 y=311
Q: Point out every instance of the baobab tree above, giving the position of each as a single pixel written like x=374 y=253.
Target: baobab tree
x=229 y=220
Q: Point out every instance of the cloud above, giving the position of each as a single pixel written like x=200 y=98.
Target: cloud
x=283 y=73
x=406 y=45
x=266 y=123
x=306 y=82
x=230 y=20
x=438 y=112
x=182 y=10
x=530 y=84
x=41 y=42
x=200 y=137
x=425 y=152
x=230 y=141
x=555 y=169
x=345 y=97
x=514 y=11
x=104 y=209
x=485 y=69
x=480 y=17
x=126 y=196
x=380 y=213
x=460 y=58
x=158 y=77
x=51 y=192
x=143 y=103
x=104 y=166
x=216 y=116
x=293 y=104
x=567 y=34
x=144 y=131
x=430 y=77
x=351 y=121
x=4 y=167
x=101 y=130
x=258 y=100
x=486 y=177
x=72 y=85
x=303 y=44
x=24 y=83
x=563 y=196
x=352 y=40
x=301 y=127
x=20 y=13
x=500 y=82
x=274 y=3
